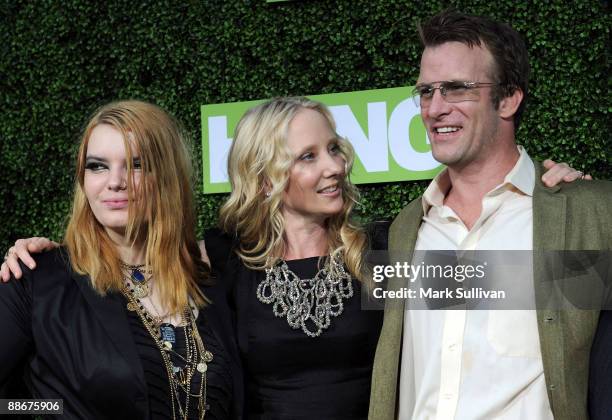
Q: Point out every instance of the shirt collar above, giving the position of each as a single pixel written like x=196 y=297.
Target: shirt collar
x=521 y=179
x=522 y=176
x=436 y=191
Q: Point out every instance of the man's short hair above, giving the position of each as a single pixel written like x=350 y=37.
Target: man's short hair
x=511 y=64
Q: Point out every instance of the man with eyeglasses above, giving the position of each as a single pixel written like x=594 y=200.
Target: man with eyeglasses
x=481 y=364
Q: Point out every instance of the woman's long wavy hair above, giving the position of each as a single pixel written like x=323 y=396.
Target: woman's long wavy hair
x=160 y=211
x=260 y=158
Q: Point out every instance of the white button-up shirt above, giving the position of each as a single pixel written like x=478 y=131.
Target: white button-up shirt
x=479 y=364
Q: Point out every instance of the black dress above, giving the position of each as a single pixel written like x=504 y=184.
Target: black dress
x=66 y=341
x=289 y=375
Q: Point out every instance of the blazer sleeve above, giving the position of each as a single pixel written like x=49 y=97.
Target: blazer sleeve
x=378 y=235
x=15 y=326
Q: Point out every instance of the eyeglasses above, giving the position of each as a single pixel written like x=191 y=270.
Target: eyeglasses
x=452 y=91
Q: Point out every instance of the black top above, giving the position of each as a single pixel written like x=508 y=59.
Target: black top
x=66 y=341
x=289 y=375
x=218 y=376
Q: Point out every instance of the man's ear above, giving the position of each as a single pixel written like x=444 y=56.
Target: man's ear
x=510 y=104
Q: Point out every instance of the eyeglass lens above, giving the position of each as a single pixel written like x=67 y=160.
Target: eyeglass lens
x=451 y=92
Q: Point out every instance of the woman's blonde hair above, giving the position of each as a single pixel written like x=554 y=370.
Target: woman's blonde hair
x=160 y=210
x=260 y=158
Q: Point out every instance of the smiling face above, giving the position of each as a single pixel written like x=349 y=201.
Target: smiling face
x=314 y=190
x=463 y=132
x=106 y=178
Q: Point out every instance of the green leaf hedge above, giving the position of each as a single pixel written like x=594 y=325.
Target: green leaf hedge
x=60 y=60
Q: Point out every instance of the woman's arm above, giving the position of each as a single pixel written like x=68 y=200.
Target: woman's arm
x=558 y=172
x=16 y=327
x=21 y=252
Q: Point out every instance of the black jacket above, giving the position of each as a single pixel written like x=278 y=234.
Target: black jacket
x=68 y=342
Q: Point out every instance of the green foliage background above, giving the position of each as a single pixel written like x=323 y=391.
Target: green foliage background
x=61 y=60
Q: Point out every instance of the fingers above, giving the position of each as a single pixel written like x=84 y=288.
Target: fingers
x=22 y=251
x=10 y=265
x=39 y=244
x=549 y=163
x=572 y=176
x=556 y=172
x=5 y=273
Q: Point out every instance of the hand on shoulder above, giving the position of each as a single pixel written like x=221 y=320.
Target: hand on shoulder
x=22 y=251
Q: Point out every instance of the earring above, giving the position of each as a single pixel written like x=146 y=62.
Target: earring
x=268 y=193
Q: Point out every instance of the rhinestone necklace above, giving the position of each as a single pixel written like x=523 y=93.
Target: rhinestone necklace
x=308 y=304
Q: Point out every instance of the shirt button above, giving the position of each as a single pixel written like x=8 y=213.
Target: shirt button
x=447 y=396
x=452 y=347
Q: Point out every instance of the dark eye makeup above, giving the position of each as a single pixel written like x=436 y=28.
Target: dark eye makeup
x=95 y=165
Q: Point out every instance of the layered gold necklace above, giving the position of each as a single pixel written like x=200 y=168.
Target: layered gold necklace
x=196 y=357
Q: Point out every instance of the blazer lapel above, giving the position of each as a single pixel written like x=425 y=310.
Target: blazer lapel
x=402 y=240
x=405 y=229
x=549 y=224
x=549 y=218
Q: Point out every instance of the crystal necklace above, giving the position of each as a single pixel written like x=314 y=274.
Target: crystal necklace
x=308 y=304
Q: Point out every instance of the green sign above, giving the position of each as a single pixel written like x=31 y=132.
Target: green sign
x=384 y=127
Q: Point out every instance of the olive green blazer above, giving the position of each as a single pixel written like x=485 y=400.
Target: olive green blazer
x=575 y=216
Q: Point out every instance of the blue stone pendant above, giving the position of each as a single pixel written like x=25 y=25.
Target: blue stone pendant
x=137 y=276
x=141 y=287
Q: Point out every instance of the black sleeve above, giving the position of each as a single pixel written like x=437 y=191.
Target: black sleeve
x=15 y=329
x=378 y=235
x=218 y=247
x=223 y=261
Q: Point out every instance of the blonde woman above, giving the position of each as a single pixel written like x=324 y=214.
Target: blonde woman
x=295 y=270
x=289 y=260
x=113 y=322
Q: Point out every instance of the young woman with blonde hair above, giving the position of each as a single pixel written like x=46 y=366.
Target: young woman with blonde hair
x=114 y=322
x=294 y=272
